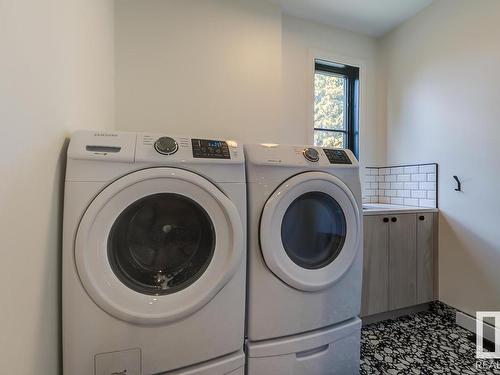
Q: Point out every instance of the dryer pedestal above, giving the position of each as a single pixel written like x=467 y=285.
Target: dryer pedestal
x=233 y=364
x=333 y=350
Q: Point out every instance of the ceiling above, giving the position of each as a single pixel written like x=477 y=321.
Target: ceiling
x=370 y=17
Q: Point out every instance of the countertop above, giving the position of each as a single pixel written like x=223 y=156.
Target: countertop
x=388 y=209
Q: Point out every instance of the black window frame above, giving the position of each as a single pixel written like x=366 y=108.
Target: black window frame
x=351 y=74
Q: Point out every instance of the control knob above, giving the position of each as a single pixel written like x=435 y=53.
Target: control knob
x=166 y=146
x=311 y=154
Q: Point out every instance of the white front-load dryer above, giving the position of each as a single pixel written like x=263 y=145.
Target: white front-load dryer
x=153 y=255
x=304 y=259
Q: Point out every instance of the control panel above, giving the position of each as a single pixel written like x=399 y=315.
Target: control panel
x=336 y=156
x=161 y=149
x=210 y=149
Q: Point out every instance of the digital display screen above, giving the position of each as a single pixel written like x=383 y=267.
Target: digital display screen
x=210 y=149
x=214 y=143
x=336 y=156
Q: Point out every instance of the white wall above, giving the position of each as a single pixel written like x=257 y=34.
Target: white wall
x=302 y=42
x=237 y=69
x=443 y=92
x=201 y=67
x=56 y=71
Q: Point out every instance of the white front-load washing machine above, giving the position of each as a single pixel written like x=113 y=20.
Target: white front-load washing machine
x=153 y=255
x=304 y=260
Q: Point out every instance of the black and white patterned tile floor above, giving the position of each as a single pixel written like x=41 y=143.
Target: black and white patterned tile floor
x=424 y=343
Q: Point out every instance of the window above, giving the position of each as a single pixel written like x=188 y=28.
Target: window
x=336 y=92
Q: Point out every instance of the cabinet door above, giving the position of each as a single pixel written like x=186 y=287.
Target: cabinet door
x=425 y=257
x=375 y=265
x=402 y=261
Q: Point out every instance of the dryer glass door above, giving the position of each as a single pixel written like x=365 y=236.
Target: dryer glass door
x=310 y=231
x=313 y=230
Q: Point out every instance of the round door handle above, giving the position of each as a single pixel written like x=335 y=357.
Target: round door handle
x=386 y=219
x=394 y=219
x=421 y=218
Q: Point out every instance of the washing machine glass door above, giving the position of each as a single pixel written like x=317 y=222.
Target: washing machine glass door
x=310 y=231
x=157 y=245
x=161 y=244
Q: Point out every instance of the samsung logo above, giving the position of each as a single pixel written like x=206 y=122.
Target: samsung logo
x=105 y=135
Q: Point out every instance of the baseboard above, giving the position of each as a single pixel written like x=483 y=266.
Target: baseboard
x=469 y=323
x=394 y=314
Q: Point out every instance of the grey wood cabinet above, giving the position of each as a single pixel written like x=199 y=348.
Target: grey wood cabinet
x=375 y=297
x=400 y=261
x=426 y=257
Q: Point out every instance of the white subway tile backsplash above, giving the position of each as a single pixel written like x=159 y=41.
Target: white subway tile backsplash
x=427 y=203
x=430 y=168
x=419 y=177
x=410 y=202
x=403 y=193
x=397 y=201
x=411 y=170
x=369 y=173
x=413 y=185
x=390 y=193
x=427 y=186
x=419 y=194
x=397 y=170
x=385 y=200
x=370 y=193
